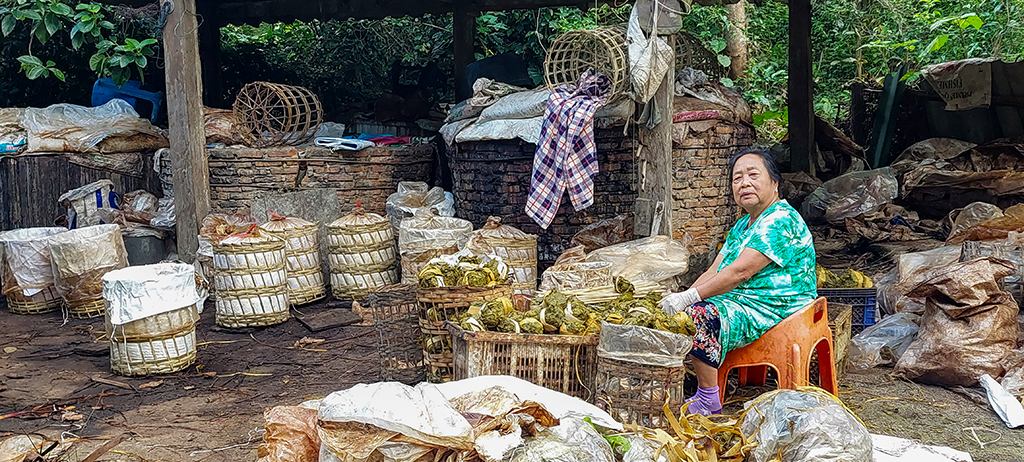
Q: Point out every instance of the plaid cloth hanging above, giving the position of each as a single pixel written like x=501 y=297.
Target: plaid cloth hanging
x=566 y=156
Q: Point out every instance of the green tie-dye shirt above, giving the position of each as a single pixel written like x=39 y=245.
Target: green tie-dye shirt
x=780 y=289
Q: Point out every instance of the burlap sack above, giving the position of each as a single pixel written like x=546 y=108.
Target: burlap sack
x=969 y=325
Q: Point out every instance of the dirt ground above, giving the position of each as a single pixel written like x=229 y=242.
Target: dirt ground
x=213 y=411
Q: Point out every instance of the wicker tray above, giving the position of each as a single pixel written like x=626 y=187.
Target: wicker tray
x=633 y=392
x=447 y=302
x=395 y=318
x=564 y=363
x=46 y=301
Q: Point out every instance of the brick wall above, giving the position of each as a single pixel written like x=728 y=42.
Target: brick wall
x=238 y=175
x=701 y=191
x=493 y=178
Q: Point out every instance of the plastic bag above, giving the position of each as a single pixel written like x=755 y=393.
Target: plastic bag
x=291 y=435
x=425 y=230
x=604 y=233
x=25 y=260
x=81 y=257
x=850 y=195
x=792 y=425
x=641 y=345
x=1005 y=405
x=883 y=343
x=142 y=291
x=574 y=276
x=165 y=218
x=649 y=57
x=969 y=325
x=415 y=195
x=1002 y=227
x=644 y=450
x=15 y=448
x=1013 y=381
x=217 y=226
x=72 y=128
x=654 y=258
x=573 y=440
x=522 y=105
x=974 y=214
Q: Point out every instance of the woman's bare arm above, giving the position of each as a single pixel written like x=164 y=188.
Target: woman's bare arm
x=712 y=270
x=746 y=266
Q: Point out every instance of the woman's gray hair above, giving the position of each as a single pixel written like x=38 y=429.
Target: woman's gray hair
x=766 y=157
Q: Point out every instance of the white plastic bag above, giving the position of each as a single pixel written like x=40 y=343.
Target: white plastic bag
x=573 y=440
x=792 y=425
x=649 y=58
x=415 y=195
x=851 y=195
x=883 y=343
x=25 y=260
x=1008 y=408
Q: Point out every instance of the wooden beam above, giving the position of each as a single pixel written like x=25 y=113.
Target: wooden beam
x=463 y=37
x=183 y=75
x=801 y=86
x=655 y=159
x=209 y=54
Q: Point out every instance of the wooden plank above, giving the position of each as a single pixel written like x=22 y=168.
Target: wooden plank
x=801 y=90
x=463 y=33
x=321 y=320
x=209 y=54
x=656 y=157
x=185 y=123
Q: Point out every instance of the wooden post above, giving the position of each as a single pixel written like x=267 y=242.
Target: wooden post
x=209 y=54
x=655 y=159
x=801 y=90
x=463 y=36
x=185 y=123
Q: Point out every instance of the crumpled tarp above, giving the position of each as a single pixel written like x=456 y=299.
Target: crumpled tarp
x=996 y=167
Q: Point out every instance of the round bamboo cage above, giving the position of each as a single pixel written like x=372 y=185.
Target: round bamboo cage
x=302 y=251
x=25 y=267
x=602 y=49
x=691 y=52
x=158 y=344
x=45 y=301
x=251 y=281
x=361 y=254
x=271 y=114
x=80 y=258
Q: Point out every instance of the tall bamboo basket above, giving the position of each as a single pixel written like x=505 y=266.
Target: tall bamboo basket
x=158 y=344
x=302 y=251
x=25 y=267
x=250 y=280
x=517 y=249
x=80 y=258
x=361 y=254
x=395 y=318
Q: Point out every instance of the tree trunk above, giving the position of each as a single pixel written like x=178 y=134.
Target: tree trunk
x=736 y=39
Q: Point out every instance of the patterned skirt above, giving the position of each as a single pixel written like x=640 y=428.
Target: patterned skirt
x=707 y=346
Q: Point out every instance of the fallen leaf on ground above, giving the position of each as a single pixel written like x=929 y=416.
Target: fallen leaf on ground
x=190 y=387
x=307 y=341
x=71 y=416
x=153 y=384
x=10 y=350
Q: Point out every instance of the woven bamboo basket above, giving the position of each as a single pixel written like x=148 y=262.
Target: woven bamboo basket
x=448 y=302
x=517 y=249
x=250 y=280
x=602 y=49
x=271 y=114
x=45 y=301
x=157 y=344
x=395 y=318
x=414 y=260
x=576 y=276
x=80 y=258
x=361 y=254
x=633 y=392
x=691 y=52
x=302 y=251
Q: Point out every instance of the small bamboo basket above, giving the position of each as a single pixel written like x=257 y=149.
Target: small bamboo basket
x=158 y=344
x=395 y=318
x=80 y=259
x=46 y=301
x=602 y=49
x=414 y=260
x=448 y=303
x=250 y=280
x=361 y=254
x=302 y=251
x=634 y=392
x=517 y=249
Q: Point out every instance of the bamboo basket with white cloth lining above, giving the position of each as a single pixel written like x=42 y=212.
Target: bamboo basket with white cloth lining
x=361 y=254
x=302 y=250
x=150 y=319
x=26 y=273
x=250 y=280
x=80 y=258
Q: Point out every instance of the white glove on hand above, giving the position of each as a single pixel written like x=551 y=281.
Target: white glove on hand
x=678 y=302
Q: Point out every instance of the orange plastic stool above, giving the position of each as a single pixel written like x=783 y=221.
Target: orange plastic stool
x=787 y=348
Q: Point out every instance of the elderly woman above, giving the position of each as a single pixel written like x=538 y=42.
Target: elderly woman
x=764 y=273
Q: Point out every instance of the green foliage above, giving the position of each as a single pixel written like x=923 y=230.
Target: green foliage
x=86 y=24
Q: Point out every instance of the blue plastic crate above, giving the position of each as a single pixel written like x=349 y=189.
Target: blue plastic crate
x=863 y=302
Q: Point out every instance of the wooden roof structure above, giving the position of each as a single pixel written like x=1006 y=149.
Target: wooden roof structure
x=192 y=41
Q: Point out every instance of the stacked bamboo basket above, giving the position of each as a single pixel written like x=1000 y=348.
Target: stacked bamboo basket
x=80 y=258
x=361 y=255
x=25 y=268
x=151 y=317
x=250 y=279
x=302 y=252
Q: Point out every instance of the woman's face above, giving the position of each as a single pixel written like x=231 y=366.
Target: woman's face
x=752 y=186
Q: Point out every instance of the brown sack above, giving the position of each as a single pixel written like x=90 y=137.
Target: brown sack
x=291 y=435
x=969 y=325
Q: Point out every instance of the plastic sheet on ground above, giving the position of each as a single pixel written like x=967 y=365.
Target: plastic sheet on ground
x=654 y=258
x=1005 y=404
x=969 y=325
x=884 y=342
x=573 y=440
x=894 y=449
x=641 y=345
x=850 y=195
x=813 y=425
x=291 y=435
x=72 y=128
x=142 y=291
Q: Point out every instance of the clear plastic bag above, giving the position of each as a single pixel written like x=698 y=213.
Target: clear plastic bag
x=81 y=257
x=426 y=230
x=850 y=195
x=415 y=195
x=291 y=435
x=883 y=343
x=972 y=215
x=25 y=260
x=573 y=440
x=604 y=233
x=72 y=128
x=641 y=345
x=654 y=258
x=811 y=425
x=165 y=218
